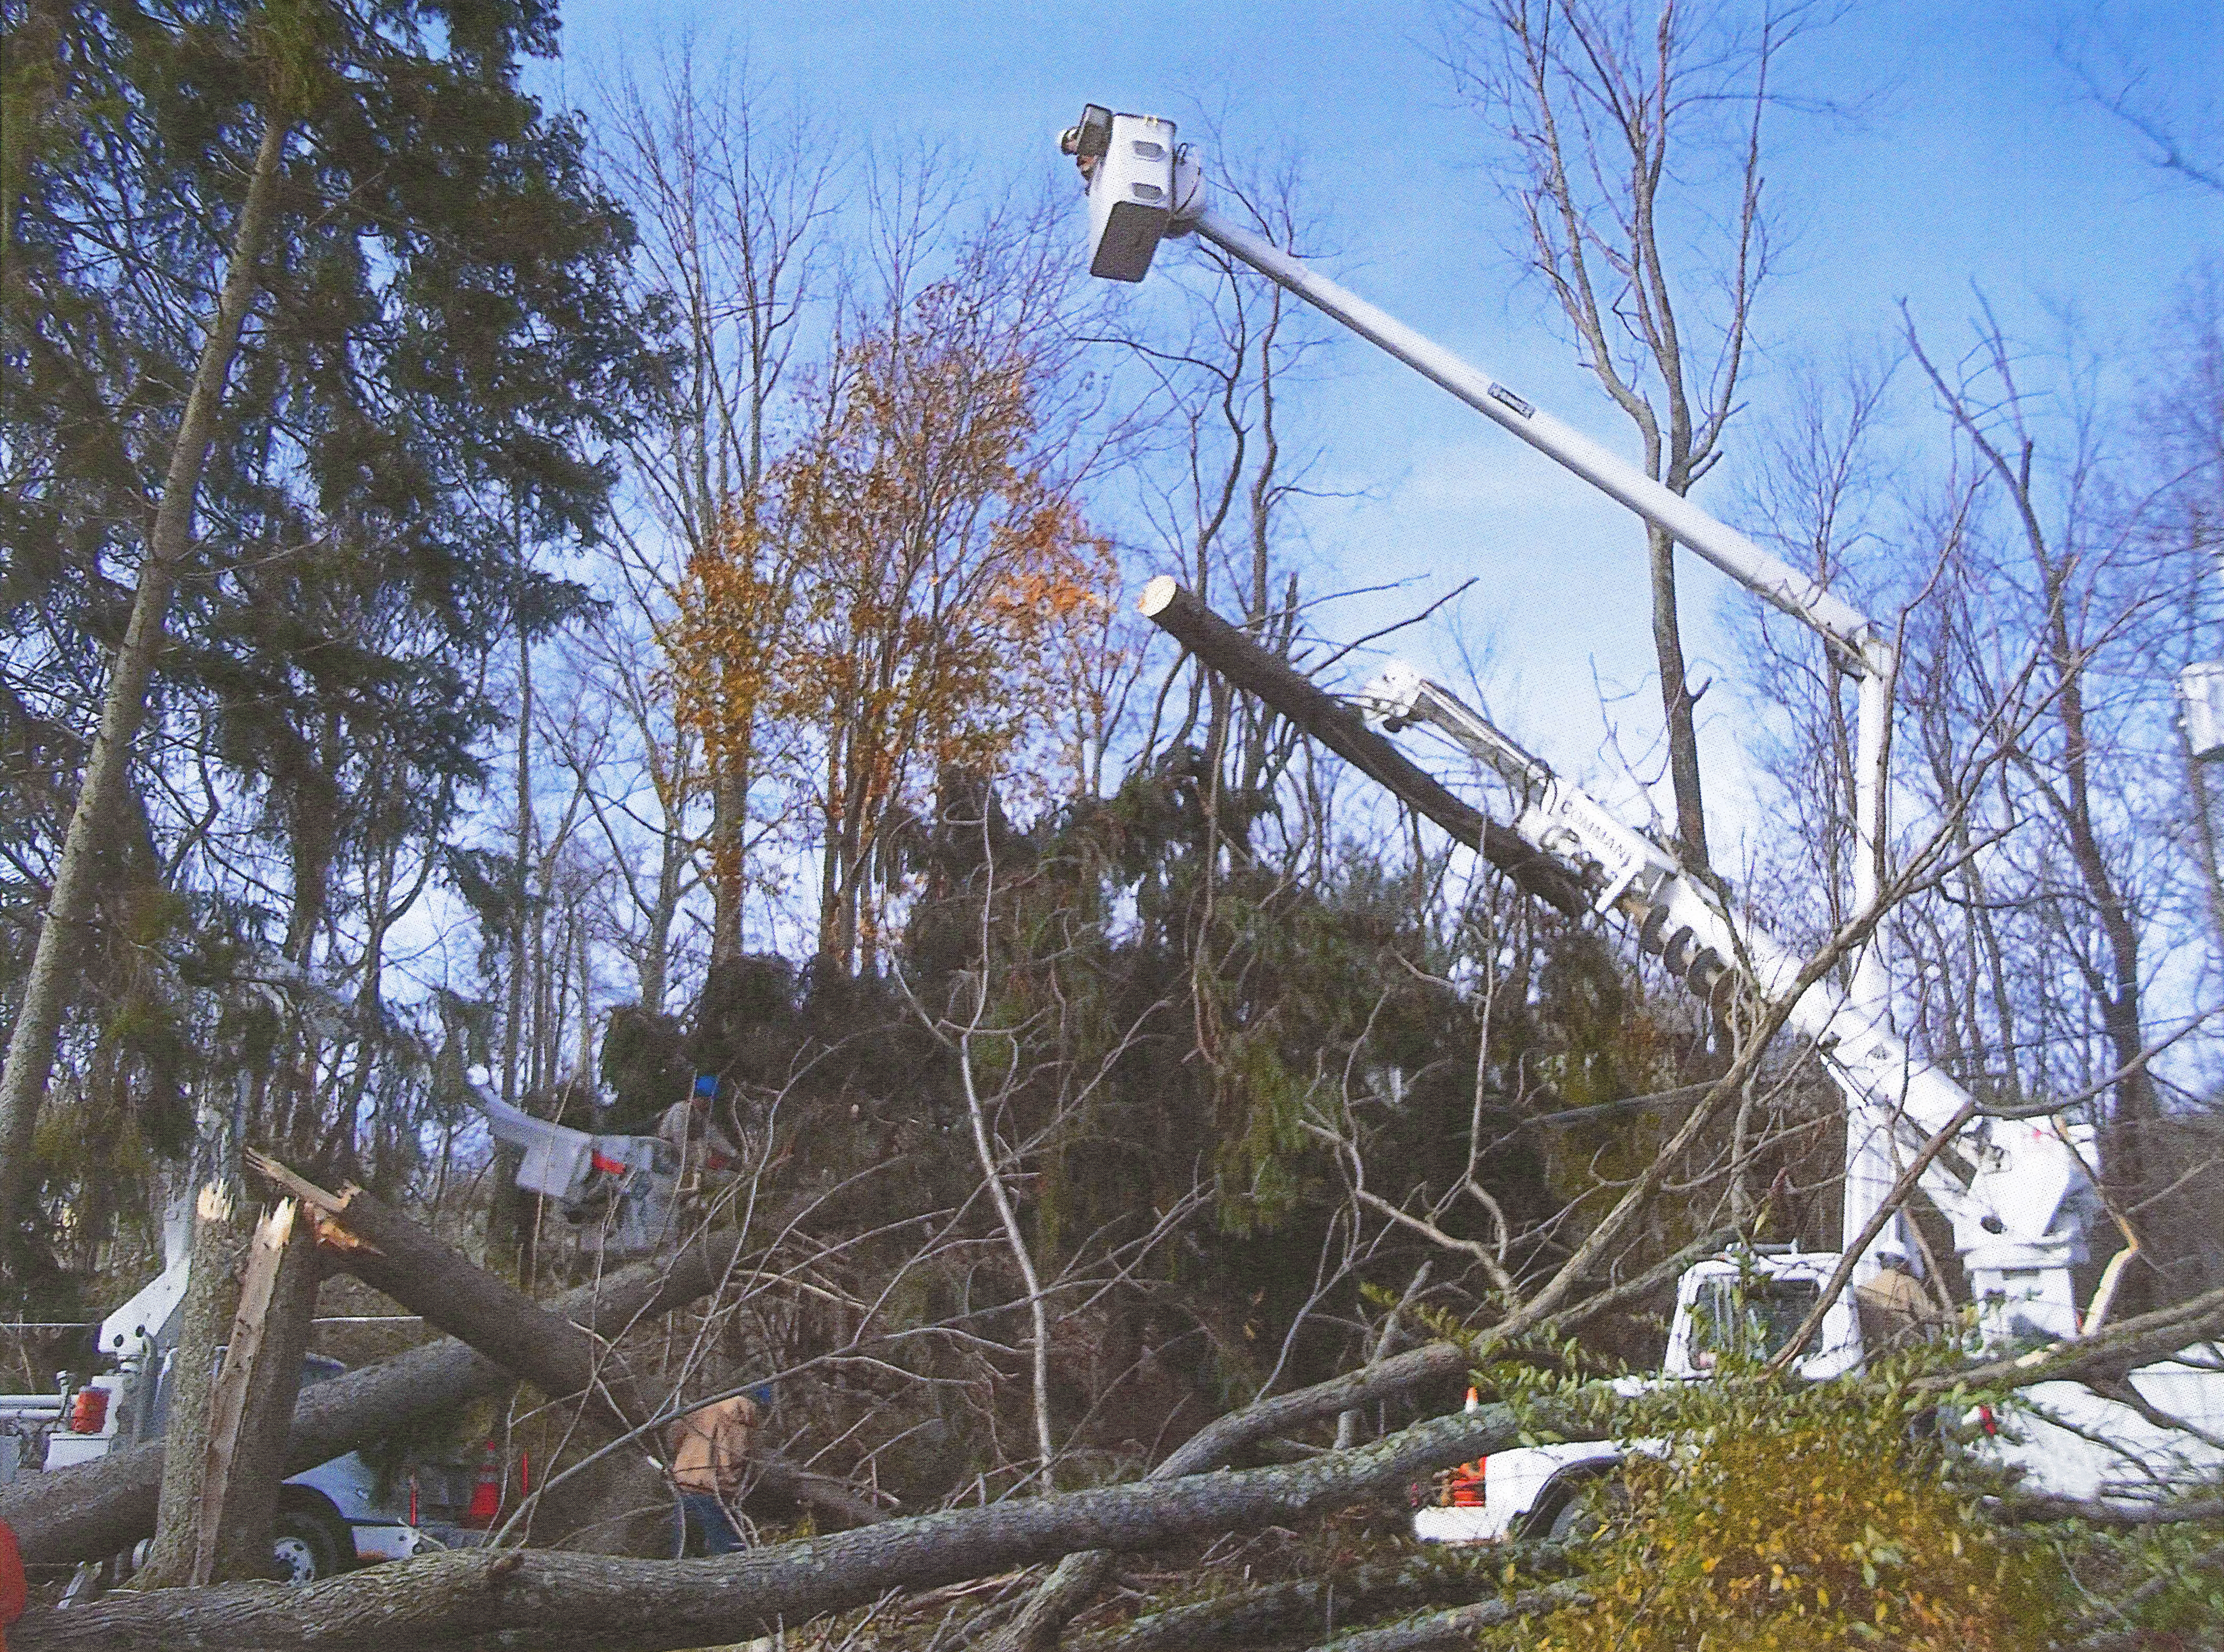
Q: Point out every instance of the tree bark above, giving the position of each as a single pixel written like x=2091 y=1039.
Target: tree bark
x=729 y=824
x=1280 y=1613
x=1078 y=1577
x=211 y=1296
x=242 y=1547
x=1179 y=613
x=558 y=1602
x=37 y=1032
x=1678 y=703
x=227 y=1409
x=1443 y=1631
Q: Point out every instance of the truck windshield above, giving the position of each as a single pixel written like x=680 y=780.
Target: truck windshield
x=1753 y=1317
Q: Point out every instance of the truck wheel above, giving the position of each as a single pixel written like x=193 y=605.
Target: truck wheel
x=1579 y=1511
x=306 y=1547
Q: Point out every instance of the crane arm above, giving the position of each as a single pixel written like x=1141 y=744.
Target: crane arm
x=1857 y=642
x=2019 y=1194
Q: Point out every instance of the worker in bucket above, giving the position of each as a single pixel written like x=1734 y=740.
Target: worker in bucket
x=691 y=1132
x=710 y=1454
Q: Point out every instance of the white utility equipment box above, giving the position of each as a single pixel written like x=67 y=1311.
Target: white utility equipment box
x=2200 y=698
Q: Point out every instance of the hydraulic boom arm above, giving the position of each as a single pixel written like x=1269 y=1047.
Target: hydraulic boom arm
x=2021 y=1196
x=2017 y=1212
x=1142 y=185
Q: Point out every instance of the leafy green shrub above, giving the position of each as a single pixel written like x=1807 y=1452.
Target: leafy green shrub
x=1802 y=1516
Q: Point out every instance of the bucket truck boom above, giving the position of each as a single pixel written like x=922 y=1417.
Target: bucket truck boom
x=1143 y=186
x=2019 y=1192
x=2016 y=1191
x=2020 y=1212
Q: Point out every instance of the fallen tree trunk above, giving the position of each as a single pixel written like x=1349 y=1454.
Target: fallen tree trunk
x=101 y=1507
x=2107 y=1355
x=1176 y=610
x=1078 y=1577
x=2040 y=1511
x=1286 y=1611
x=392 y=1254
x=429 y=1276
x=557 y=1602
x=1452 y=1630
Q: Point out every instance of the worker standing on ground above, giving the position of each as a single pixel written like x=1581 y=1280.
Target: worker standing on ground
x=710 y=1451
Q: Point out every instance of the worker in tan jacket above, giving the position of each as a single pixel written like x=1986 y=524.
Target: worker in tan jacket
x=709 y=1452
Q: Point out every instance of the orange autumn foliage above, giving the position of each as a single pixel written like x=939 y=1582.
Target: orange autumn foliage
x=913 y=591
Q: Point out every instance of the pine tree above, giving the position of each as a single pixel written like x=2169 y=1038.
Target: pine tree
x=310 y=335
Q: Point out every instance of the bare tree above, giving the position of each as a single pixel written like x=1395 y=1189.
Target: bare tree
x=640 y=774
x=2045 y=571
x=2183 y=432
x=1631 y=140
x=2089 y=590
x=734 y=207
x=2181 y=128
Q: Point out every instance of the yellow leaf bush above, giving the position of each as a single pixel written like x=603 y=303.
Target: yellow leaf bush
x=1802 y=1517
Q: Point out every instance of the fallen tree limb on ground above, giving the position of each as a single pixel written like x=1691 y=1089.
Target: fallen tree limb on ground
x=101 y=1507
x=2030 y=1511
x=1442 y=1631
x=1287 y=1610
x=558 y=1602
x=2123 y=1348
x=530 y=1339
x=1078 y=1577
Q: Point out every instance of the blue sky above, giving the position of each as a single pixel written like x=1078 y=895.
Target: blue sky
x=1972 y=161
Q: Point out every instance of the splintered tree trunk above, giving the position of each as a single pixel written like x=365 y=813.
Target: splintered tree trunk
x=212 y=1301
x=101 y=1508
x=46 y=983
x=391 y=1253
x=239 y=1547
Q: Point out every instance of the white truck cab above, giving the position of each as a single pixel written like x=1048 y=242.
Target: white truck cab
x=1750 y=1303
x=2064 y=1439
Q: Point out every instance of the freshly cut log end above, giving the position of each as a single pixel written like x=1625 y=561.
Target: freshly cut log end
x=1157 y=596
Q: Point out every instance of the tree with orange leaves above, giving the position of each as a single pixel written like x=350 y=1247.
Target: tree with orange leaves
x=916 y=591
x=723 y=648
